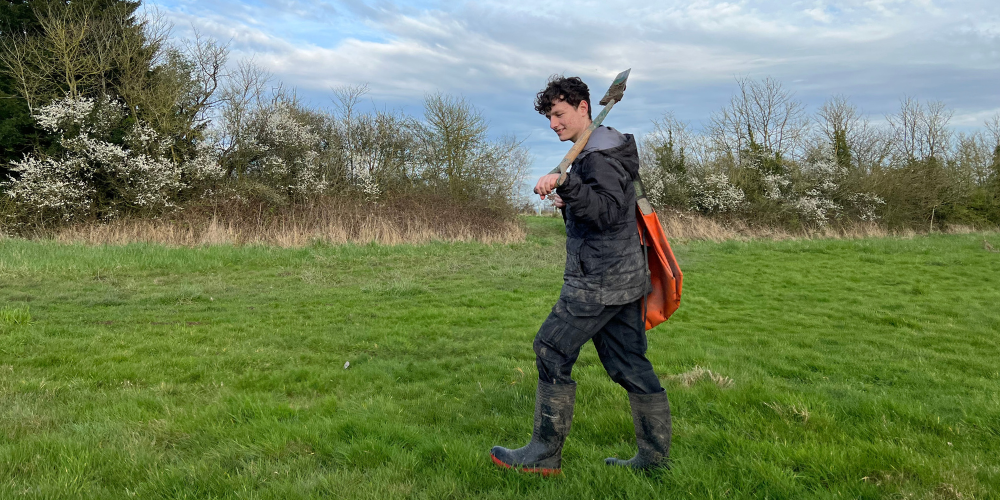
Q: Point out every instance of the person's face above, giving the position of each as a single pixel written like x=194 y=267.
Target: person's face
x=568 y=122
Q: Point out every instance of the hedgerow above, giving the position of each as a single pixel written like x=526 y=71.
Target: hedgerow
x=763 y=160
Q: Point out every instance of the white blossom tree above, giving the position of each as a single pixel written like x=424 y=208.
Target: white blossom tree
x=92 y=174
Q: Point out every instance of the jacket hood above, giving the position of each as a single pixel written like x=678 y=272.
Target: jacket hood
x=602 y=138
x=627 y=154
x=614 y=144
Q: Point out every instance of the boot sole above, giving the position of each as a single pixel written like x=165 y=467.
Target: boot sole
x=531 y=470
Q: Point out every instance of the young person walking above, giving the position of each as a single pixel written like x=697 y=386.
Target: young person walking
x=604 y=284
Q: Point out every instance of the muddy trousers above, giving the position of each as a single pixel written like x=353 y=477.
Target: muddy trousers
x=618 y=332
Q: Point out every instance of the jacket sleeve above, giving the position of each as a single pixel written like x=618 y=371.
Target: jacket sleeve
x=594 y=193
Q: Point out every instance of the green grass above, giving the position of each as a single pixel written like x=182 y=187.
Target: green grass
x=14 y=315
x=860 y=369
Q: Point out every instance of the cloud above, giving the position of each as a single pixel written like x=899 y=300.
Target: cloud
x=685 y=55
x=819 y=14
x=975 y=118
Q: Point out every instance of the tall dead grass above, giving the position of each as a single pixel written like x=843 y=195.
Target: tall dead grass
x=694 y=226
x=327 y=221
x=406 y=221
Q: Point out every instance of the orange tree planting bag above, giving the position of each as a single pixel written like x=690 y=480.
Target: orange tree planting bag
x=664 y=274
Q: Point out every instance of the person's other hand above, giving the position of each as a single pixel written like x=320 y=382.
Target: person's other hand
x=546 y=184
x=557 y=200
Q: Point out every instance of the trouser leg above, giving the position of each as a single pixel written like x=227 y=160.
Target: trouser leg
x=567 y=328
x=621 y=345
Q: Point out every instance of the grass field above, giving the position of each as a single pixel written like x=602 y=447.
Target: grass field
x=839 y=369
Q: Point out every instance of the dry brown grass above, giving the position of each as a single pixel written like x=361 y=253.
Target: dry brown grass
x=696 y=374
x=790 y=412
x=694 y=226
x=408 y=221
x=327 y=221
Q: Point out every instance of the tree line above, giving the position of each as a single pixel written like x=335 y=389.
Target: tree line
x=103 y=116
x=763 y=159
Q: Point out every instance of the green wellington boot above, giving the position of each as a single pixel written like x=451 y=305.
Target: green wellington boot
x=553 y=418
x=651 y=417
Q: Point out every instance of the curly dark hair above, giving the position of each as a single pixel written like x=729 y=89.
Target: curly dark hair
x=560 y=88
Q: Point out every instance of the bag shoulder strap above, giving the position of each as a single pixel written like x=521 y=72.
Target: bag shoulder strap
x=640 y=197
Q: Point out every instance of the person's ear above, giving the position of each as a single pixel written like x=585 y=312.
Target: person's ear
x=584 y=107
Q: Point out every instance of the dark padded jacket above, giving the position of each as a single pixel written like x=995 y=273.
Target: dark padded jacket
x=604 y=259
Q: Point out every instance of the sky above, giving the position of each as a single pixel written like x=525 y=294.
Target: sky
x=685 y=56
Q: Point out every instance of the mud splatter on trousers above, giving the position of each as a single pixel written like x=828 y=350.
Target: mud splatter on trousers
x=618 y=333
